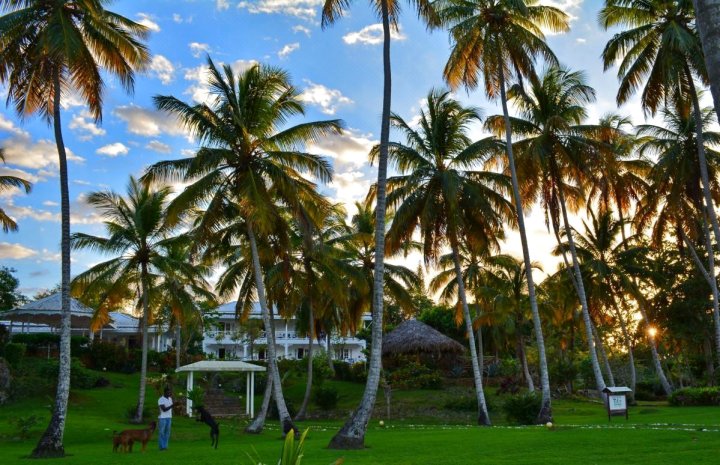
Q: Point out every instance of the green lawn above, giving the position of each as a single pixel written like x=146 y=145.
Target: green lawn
x=654 y=434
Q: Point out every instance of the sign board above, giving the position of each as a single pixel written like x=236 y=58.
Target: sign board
x=616 y=401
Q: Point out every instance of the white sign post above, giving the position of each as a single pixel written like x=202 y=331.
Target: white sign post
x=617 y=401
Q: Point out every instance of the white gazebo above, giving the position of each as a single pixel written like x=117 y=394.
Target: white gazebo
x=48 y=311
x=224 y=365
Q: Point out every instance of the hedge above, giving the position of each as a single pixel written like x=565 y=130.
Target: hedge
x=700 y=397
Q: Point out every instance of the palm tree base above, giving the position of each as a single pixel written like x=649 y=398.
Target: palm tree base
x=50 y=445
x=483 y=419
x=288 y=425
x=252 y=428
x=346 y=442
x=545 y=414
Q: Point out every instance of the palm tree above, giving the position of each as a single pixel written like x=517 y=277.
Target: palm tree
x=441 y=193
x=707 y=18
x=554 y=157
x=661 y=46
x=674 y=200
x=352 y=434
x=139 y=237
x=51 y=48
x=247 y=161
x=7 y=183
x=501 y=39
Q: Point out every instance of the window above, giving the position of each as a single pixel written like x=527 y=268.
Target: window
x=342 y=354
x=261 y=354
x=300 y=353
x=221 y=353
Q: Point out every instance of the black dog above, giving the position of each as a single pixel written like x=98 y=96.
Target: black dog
x=206 y=418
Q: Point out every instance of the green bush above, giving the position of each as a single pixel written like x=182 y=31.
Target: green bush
x=461 y=404
x=649 y=390
x=413 y=375
x=80 y=377
x=103 y=355
x=321 y=369
x=14 y=352
x=25 y=424
x=563 y=372
x=326 y=397
x=700 y=397
x=522 y=409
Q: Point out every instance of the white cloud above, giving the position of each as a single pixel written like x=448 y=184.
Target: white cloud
x=198 y=48
x=580 y=40
x=222 y=4
x=81 y=182
x=327 y=99
x=148 y=123
x=147 y=21
x=10 y=251
x=50 y=203
x=350 y=187
x=83 y=124
x=113 y=150
x=301 y=28
x=372 y=35
x=22 y=151
x=8 y=126
x=288 y=49
x=162 y=69
x=200 y=90
x=348 y=151
x=158 y=146
x=179 y=19
x=305 y=9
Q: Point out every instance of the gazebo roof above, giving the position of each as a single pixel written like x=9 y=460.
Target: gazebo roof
x=414 y=336
x=220 y=365
x=48 y=311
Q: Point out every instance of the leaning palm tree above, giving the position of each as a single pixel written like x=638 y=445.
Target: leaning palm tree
x=352 y=434
x=48 y=48
x=248 y=161
x=502 y=39
x=661 y=47
x=707 y=18
x=139 y=238
x=7 y=183
x=443 y=193
x=554 y=157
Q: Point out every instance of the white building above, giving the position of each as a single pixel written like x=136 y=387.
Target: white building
x=229 y=340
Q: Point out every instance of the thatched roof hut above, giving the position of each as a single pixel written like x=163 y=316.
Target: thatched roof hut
x=415 y=337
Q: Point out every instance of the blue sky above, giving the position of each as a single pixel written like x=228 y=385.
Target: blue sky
x=338 y=70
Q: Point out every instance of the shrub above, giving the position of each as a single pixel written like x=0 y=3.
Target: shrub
x=563 y=372
x=461 y=404
x=522 y=409
x=326 y=397
x=80 y=377
x=25 y=424
x=197 y=396
x=14 y=352
x=649 y=390
x=106 y=355
x=413 y=375
x=701 y=397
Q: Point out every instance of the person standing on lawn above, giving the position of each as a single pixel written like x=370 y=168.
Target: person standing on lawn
x=166 y=404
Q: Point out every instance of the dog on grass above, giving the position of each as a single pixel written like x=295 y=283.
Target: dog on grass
x=206 y=418
x=124 y=439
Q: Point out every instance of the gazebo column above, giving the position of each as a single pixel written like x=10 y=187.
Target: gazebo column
x=247 y=393
x=252 y=394
x=286 y=350
x=188 y=403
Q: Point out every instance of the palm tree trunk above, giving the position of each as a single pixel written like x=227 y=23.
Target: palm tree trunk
x=308 y=387
x=328 y=343
x=524 y=363
x=258 y=422
x=51 y=442
x=599 y=381
x=545 y=414
x=707 y=18
x=483 y=417
x=274 y=373
x=352 y=434
x=143 y=363
x=603 y=355
x=481 y=352
x=178 y=345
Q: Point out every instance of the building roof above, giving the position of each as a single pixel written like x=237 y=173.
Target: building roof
x=48 y=311
x=221 y=365
x=414 y=336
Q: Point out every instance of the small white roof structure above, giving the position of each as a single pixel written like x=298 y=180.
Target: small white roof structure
x=48 y=311
x=224 y=365
x=617 y=390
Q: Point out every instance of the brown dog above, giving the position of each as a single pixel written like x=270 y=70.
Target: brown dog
x=124 y=439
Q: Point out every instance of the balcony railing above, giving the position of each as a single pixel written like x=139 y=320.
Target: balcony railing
x=279 y=336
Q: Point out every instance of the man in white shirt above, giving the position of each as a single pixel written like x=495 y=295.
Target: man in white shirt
x=166 y=404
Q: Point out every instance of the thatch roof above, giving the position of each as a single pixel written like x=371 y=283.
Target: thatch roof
x=413 y=336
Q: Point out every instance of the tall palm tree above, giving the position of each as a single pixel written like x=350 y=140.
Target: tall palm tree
x=707 y=18
x=139 y=238
x=7 y=183
x=661 y=47
x=675 y=201
x=554 y=157
x=443 y=193
x=352 y=434
x=502 y=39
x=48 y=48
x=248 y=161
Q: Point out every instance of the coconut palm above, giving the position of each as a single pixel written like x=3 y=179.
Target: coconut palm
x=678 y=205
x=139 y=238
x=246 y=160
x=51 y=48
x=661 y=47
x=502 y=39
x=707 y=18
x=443 y=193
x=352 y=434
x=554 y=157
x=7 y=183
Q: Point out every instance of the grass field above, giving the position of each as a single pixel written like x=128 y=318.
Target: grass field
x=654 y=434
